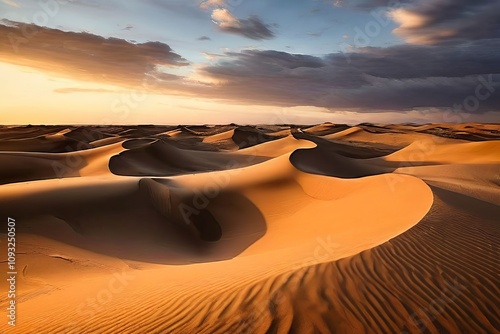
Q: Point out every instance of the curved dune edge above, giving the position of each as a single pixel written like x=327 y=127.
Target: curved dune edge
x=287 y=198
x=277 y=147
x=301 y=250
x=447 y=153
x=332 y=207
x=424 y=280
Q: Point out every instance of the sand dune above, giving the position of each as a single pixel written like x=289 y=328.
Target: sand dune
x=268 y=229
x=447 y=153
x=326 y=129
x=391 y=138
x=28 y=166
x=275 y=148
x=247 y=136
x=49 y=143
x=161 y=158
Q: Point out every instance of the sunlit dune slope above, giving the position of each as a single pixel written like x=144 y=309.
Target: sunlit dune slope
x=268 y=229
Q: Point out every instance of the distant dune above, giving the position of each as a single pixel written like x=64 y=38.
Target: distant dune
x=253 y=229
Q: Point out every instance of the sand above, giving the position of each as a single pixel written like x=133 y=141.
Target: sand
x=253 y=229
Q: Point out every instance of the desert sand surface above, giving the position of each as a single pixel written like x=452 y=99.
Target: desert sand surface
x=253 y=229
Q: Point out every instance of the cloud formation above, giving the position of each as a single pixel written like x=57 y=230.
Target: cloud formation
x=438 y=21
x=11 y=3
x=83 y=55
x=252 y=27
x=128 y=27
x=372 y=79
x=207 y=4
x=426 y=22
x=394 y=78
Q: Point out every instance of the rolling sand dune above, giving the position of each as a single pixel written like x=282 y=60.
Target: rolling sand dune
x=50 y=143
x=269 y=229
x=247 y=136
x=396 y=139
x=161 y=158
x=326 y=129
x=441 y=153
x=225 y=136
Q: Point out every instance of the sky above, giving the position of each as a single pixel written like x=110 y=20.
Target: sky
x=249 y=61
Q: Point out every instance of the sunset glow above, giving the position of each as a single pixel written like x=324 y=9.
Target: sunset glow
x=217 y=61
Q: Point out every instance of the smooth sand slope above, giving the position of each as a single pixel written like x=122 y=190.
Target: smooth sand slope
x=269 y=229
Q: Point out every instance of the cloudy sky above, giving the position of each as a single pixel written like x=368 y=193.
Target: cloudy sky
x=249 y=61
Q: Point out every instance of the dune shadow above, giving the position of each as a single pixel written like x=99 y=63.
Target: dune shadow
x=150 y=157
x=334 y=159
x=345 y=160
x=246 y=136
x=158 y=224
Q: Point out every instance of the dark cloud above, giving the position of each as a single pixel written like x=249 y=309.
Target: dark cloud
x=425 y=22
x=259 y=62
x=438 y=21
x=83 y=55
x=204 y=38
x=394 y=78
x=422 y=61
x=252 y=28
x=410 y=94
x=402 y=77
